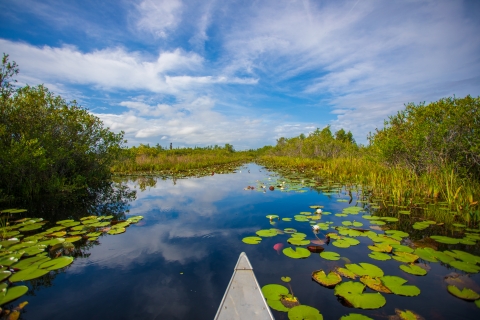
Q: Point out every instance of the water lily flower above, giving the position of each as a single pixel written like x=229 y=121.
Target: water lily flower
x=315 y=228
x=319 y=211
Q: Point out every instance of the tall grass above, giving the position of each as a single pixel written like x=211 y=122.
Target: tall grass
x=396 y=185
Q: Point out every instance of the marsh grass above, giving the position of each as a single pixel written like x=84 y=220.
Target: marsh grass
x=442 y=195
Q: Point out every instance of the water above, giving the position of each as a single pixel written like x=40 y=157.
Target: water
x=177 y=262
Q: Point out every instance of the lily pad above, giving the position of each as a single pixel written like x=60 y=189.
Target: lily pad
x=330 y=280
x=298 y=253
x=465 y=266
x=352 y=292
x=405 y=257
x=28 y=274
x=304 y=312
x=262 y=233
x=426 y=254
x=379 y=256
x=413 y=269
x=287 y=219
x=12 y=293
x=56 y=263
x=272 y=216
x=274 y=291
x=446 y=240
x=286 y=279
x=365 y=269
x=396 y=285
x=250 y=240
x=330 y=255
x=346 y=273
x=289 y=230
x=116 y=231
x=298 y=241
x=374 y=284
x=465 y=294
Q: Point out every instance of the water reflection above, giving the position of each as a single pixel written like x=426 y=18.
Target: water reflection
x=177 y=262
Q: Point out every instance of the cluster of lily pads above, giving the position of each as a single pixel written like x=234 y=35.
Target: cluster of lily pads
x=29 y=250
x=389 y=244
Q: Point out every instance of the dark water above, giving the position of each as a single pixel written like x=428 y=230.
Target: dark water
x=177 y=262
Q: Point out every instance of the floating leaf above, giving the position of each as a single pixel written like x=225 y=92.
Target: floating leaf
x=26 y=263
x=298 y=253
x=405 y=257
x=286 y=279
x=247 y=240
x=273 y=293
x=330 y=255
x=28 y=274
x=379 y=256
x=465 y=294
x=352 y=292
x=304 y=312
x=272 y=216
x=12 y=293
x=426 y=254
x=374 y=284
x=289 y=230
x=395 y=284
x=365 y=269
x=465 y=266
x=413 y=269
x=446 y=240
x=381 y=247
x=346 y=273
x=56 y=263
x=298 y=241
x=262 y=233
x=407 y=315
x=73 y=239
x=116 y=231
x=4 y=274
x=329 y=280
x=287 y=219
x=401 y=248
x=341 y=243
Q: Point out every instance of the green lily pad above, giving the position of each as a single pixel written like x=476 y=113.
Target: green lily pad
x=374 y=284
x=352 y=292
x=413 y=269
x=443 y=257
x=465 y=256
x=298 y=235
x=12 y=293
x=381 y=247
x=401 y=248
x=341 y=243
x=465 y=266
x=287 y=219
x=330 y=280
x=64 y=221
x=265 y=233
x=396 y=285
x=286 y=279
x=56 y=263
x=26 y=263
x=247 y=240
x=298 y=241
x=446 y=240
x=31 y=227
x=365 y=269
x=289 y=230
x=405 y=257
x=304 y=313
x=298 y=253
x=28 y=274
x=407 y=315
x=355 y=316
x=379 y=256
x=426 y=254
x=4 y=274
x=73 y=239
x=274 y=291
x=272 y=216
x=346 y=273
x=378 y=222
x=465 y=294
x=330 y=255
x=116 y=231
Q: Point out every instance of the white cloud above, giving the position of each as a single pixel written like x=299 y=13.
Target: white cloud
x=158 y=16
x=114 y=68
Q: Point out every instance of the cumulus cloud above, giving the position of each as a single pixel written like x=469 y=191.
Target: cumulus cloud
x=158 y=16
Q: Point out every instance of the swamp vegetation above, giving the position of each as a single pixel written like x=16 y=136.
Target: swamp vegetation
x=412 y=195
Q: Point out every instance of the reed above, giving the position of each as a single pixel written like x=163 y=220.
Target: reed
x=449 y=196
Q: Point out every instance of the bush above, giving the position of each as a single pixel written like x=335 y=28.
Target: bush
x=48 y=145
x=425 y=138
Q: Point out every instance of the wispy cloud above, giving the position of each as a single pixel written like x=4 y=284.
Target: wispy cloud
x=223 y=72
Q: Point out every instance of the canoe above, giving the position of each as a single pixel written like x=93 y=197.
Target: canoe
x=243 y=299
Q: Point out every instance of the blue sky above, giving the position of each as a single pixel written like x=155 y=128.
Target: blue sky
x=244 y=72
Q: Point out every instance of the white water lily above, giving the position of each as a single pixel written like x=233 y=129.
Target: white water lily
x=319 y=211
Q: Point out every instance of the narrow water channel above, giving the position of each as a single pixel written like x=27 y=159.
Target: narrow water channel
x=177 y=261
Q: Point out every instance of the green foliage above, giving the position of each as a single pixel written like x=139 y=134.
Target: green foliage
x=319 y=144
x=49 y=145
x=429 y=137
